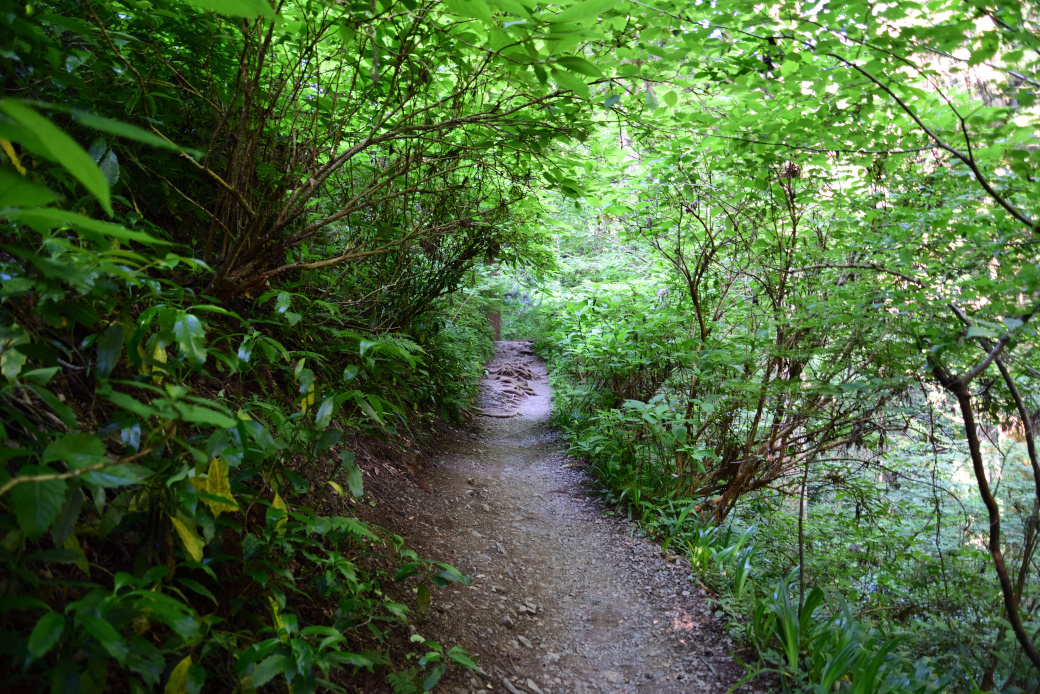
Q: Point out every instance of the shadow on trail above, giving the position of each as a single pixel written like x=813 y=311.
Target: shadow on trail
x=564 y=599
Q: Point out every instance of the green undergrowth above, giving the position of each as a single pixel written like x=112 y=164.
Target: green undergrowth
x=178 y=471
x=877 y=607
x=825 y=646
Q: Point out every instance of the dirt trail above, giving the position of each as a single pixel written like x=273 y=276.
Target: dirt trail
x=565 y=599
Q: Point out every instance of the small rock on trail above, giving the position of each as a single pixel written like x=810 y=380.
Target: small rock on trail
x=564 y=599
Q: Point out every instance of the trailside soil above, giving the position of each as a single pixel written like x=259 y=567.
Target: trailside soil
x=565 y=598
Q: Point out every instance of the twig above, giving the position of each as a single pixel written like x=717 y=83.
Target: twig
x=15 y=481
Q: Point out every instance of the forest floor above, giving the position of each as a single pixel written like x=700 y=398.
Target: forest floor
x=565 y=598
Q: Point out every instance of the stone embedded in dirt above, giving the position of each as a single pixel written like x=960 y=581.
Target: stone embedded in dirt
x=510 y=687
x=516 y=494
x=612 y=676
x=532 y=686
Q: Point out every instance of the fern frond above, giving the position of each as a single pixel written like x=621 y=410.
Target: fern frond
x=403 y=681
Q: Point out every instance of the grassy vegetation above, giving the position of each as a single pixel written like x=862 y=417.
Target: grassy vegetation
x=883 y=544
x=780 y=257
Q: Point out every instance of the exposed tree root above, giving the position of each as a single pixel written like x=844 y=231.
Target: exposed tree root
x=482 y=413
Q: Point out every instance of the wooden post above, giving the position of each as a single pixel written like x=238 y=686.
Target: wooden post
x=495 y=318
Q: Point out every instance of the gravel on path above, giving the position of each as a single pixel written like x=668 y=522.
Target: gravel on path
x=564 y=599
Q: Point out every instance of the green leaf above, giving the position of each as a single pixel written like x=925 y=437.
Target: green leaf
x=118 y=475
x=110 y=346
x=191 y=337
x=46 y=634
x=579 y=65
x=64 y=412
x=449 y=574
x=204 y=415
x=249 y=9
x=127 y=402
x=97 y=149
x=106 y=635
x=422 y=597
x=584 y=10
x=355 y=481
x=461 y=657
x=197 y=587
x=18 y=191
x=115 y=127
x=368 y=410
x=65 y=524
x=470 y=8
x=40 y=218
x=267 y=668
x=512 y=7
x=109 y=166
x=11 y=362
x=76 y=450
x=40 y=377
x=572 y=82
x=979 y=331
x=37 y=504
x=1013 y=323
x=434 y=677
x=396 y=608
x=324 y=414
x=61 y=148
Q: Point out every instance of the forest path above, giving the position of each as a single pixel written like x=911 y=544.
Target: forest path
x=564 y=599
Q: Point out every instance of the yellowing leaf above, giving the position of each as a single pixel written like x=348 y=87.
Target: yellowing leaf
x=217 y=483
x=336 y=486
x=193 y=544
x=307 y=400
x=178 y=682
x=159 y=355
x=279 y=625
x=72 y=542
x=9 y=150
x=279 y=504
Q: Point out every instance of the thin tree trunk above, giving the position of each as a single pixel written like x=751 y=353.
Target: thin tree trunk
x=959 y=389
